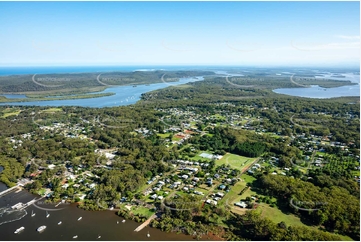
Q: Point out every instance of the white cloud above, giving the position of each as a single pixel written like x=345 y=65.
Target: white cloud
x=324 y=46
x=349 y=37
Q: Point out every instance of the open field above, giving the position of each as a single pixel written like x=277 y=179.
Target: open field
x=52 y=110
x=231 y=197
x=10 y=112
x=235 y=161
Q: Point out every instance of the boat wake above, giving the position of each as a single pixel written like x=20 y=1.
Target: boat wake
x=8 y=215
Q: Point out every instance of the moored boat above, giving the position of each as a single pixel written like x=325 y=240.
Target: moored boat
x=19 y=230
x=41 y=228
x=80 y=218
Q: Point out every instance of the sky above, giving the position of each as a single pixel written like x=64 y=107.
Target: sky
x=180 y=33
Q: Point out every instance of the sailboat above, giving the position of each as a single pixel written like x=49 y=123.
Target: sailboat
x=148 y=235
x=47 y=214
x=32 y=213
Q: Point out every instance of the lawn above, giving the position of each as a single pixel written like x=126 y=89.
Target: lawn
x=247 y=178
x=231 y=197
x=10 y=112
x=142 y=211
x=164 y=136
x=175 y=138
x=235 y=161
x=277 y=216
x=52 y=110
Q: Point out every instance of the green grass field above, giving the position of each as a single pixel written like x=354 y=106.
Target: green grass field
x=235 y=161
x=231 y=197
x=142 y=211
x=10 y=112
x=52 y=110
x=247 y=178
x=164 y=136
x=277 y=216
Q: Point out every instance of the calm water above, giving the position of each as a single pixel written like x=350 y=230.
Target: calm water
x=93 y=224
x=320 y=92
x=124 y=95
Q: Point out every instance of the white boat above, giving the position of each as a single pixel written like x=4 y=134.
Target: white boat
x=32 y=213
x=41 y=228
x=19 y=230
x=75 y=236
x=80 y=218
x=60 y=223
x=123 y=221
x=99 y=237
x=47 y=214
x=148 y=235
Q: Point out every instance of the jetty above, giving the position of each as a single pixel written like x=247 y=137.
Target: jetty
x=9 y=190
x=143 y=225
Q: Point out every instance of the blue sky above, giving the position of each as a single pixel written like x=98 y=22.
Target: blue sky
x=176 y=33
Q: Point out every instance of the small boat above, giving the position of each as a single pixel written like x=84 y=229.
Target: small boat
x=99 y=237
x=148 y=235
x=123 y=221
x=60 y=223
x=75 y=236
x=117 y=222
x=19 y=230
x=80 y=218
x=47 y=214
x=41 y=228
x=32 y=213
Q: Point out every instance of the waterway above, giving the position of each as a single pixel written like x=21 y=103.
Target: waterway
x=92 y=224
x=316 y=91
x=124 y=95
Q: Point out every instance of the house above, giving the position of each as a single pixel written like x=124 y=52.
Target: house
x=185 y=176
x=219 y=194
x=222 y=187
x=241 y=204
x=154 y=196
x=211 y=202
x=160 y=197
x=196 y=179
x=198 y=193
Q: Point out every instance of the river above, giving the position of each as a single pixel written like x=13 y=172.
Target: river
x=316 y=91
x=124 y=95
x=92 y=224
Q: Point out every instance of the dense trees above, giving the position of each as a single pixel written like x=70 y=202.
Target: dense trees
x=253 y=227
x=11 y=170
x=334 y=207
